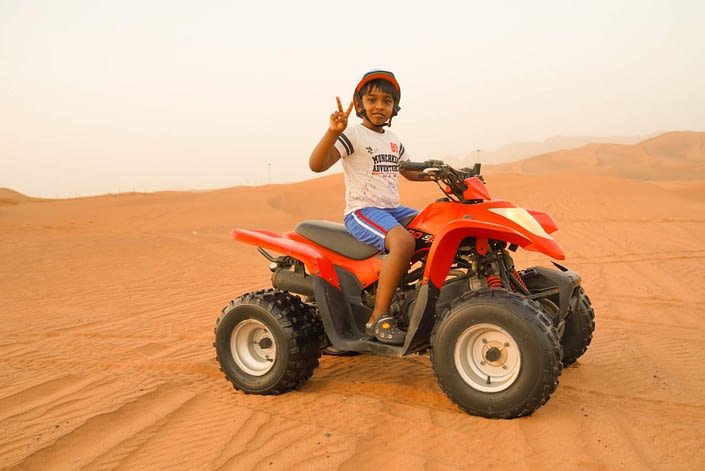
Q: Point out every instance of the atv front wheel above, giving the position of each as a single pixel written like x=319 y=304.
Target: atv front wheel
x=267 y=342
x=496 y=354
x=579 y=326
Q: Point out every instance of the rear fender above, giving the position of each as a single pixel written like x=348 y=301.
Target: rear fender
x=316 y=263
x=366 y=271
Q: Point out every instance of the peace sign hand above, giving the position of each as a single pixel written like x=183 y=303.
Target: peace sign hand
x=339 y=119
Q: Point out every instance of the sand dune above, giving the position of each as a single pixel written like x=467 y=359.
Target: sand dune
x=670 y=156
x=523 y=150
x=109 y=303
x=9 y=197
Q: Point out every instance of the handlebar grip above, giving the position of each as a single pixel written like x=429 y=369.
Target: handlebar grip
x=414 y=166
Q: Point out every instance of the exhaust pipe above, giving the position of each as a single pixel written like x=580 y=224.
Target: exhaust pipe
x=291 y=281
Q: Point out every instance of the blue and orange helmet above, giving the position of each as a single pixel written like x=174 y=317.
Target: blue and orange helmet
x=383 y=79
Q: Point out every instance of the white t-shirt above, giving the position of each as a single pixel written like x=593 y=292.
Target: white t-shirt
x=371 y=167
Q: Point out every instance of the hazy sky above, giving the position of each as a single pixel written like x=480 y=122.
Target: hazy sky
x=114 y=96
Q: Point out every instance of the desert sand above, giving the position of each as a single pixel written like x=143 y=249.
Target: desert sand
x=108 y=304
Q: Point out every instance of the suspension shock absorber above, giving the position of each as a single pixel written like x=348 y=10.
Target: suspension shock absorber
x=494 y=282
x=518 y=277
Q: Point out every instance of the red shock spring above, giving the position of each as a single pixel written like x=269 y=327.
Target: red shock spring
x=494 y=282
x=520 y=279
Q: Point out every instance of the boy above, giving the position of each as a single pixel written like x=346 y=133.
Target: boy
x=370 y=156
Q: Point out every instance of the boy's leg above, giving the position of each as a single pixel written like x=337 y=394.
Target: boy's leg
x=371 y=225
x=400 y=246
x=381 y=228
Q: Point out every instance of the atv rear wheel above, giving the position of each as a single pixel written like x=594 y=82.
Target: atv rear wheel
x=579 y=326
x=267 y=342
x=496 y=354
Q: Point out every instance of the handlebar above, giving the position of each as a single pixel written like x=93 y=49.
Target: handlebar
x=442 y=168
x=453 y=178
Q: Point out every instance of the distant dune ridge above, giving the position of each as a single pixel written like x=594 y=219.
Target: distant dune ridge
x=524 y=150
x=674 y=155
x=108 y=305
x=8 y=196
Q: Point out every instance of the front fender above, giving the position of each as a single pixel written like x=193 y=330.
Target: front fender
x=446 y=242
x=315 y=262
x=546 y=220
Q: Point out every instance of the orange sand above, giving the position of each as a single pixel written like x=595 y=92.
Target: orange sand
x=108 y=306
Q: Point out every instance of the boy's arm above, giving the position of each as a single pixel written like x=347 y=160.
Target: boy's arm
x=325 y=154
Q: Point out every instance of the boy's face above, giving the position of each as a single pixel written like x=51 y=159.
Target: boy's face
x=378 y=106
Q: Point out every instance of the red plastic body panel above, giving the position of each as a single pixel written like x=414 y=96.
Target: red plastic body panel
x=440 y=227
x=315 y=261
x=366 y=271
x=476 y=190
x=451 y=222
x=319 y=261
x=546 y=220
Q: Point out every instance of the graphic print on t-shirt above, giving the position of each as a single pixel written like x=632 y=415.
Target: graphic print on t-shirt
x=384 y=164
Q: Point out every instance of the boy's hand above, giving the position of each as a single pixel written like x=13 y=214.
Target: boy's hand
x=432 y=174
x=339 y=119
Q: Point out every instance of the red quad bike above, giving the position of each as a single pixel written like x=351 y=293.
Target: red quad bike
x=498 y=336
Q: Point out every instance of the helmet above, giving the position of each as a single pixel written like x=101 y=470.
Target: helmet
x=375 y=75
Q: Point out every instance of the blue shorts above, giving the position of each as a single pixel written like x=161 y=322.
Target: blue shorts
x=370 y=225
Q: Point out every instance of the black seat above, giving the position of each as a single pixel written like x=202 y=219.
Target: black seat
x=334 y=236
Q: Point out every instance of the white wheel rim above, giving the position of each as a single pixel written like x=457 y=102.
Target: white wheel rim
x=253 y=347
x=487 y=358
